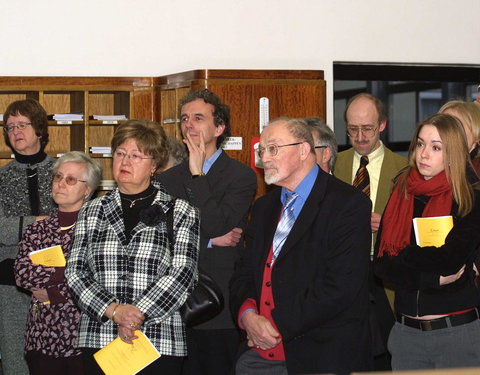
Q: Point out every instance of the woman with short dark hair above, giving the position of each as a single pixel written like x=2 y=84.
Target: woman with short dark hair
x=25 y=197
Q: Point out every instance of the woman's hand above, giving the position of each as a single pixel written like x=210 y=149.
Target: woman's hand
x=41 y=295
x=444 y=280
x=126 y=316
x=126 y=334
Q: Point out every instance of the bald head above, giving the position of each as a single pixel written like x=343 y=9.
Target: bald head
x=365 y=118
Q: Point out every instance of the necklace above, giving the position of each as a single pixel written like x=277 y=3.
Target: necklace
x=133 y=201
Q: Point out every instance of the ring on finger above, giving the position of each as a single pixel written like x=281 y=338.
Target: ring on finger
x=133 y=325
x=126 y=338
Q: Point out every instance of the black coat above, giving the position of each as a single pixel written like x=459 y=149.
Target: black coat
x=319 y=280
x=224 y=197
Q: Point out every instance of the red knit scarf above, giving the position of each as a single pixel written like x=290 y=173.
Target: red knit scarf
x=398 y=215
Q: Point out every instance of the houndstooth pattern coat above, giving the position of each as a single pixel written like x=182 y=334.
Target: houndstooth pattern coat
x=105 y=268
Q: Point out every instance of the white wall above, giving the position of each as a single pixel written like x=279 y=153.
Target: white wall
x=157 y=37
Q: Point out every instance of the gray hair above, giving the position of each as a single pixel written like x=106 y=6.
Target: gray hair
x=176 y=150
x=94 y=169
x=326 y=136
x=298 y=129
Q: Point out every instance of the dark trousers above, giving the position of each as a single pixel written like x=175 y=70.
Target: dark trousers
x=164 y=365
x=211 y=351
x=381 y=322
x=41 y=364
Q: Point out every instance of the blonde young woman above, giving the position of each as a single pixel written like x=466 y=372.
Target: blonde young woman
x=469 y=115
x=435 y=297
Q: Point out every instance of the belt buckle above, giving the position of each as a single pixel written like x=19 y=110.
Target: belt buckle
x=426 y=325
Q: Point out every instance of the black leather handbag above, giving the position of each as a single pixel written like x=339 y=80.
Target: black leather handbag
x=206 y=300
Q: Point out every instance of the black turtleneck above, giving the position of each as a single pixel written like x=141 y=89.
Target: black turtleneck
x=133 y=204
x=32 y=178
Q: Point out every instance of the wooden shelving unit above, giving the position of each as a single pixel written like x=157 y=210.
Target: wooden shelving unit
x=293 y=93
x=132 y=97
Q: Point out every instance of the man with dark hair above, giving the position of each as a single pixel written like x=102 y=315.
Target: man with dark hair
x=223 y=189
x=371 y=167
x=300 y=288
x=324 y=141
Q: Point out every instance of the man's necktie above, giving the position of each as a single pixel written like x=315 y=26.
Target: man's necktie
x=284 y=225
x=362 y=179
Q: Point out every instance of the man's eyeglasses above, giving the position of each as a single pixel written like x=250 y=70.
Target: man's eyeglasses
x=134 y=157
x=321 y=146
x=70 y=180
x=272 y=149
x=8 y=128
x=367 y=131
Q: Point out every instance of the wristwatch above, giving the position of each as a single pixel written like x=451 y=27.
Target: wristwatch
x=198 y=175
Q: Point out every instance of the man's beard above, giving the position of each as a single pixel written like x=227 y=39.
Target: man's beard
x=271 y=177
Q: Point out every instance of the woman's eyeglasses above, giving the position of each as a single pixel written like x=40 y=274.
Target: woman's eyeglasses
x=70 y=180
x=8 y=128
x=134 y=157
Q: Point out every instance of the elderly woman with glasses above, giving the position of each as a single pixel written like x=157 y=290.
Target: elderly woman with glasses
x=53 y=319
x=124 y=272
x=25 y=197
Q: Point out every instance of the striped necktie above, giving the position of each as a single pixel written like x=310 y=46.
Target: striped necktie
x=284 y=225
x=362 y=179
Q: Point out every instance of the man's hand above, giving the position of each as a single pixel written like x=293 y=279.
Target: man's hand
x=229 y=239
x=260 y=332
x=444 y=280
x=375 y=221
x=196 y=154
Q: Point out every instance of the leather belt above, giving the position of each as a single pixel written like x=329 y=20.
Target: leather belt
x=440 y=323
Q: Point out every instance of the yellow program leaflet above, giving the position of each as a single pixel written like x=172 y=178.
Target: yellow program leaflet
x=120 y=358
x=49 y=257
x=432 y=231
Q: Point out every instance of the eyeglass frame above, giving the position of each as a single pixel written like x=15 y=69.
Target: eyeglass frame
x=322 y=146
x=362 y=129
x=130 y=156
x=57 y=177
x=9 y=128
x=261 y=150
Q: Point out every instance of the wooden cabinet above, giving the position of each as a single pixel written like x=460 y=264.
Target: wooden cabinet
x=132 y=97
x=292 y=93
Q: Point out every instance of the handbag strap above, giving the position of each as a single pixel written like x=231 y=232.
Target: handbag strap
x=169 y=222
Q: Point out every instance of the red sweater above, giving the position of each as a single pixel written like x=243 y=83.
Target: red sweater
x=266 y=306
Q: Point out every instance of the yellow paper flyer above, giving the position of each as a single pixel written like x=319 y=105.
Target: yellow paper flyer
x=432 y=231
x=120 y=358
x=50 y=257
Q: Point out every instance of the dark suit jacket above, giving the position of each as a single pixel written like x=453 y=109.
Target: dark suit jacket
x=319 y=280
x=224 y=197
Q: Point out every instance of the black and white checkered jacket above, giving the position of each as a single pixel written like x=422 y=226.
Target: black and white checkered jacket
x=105 y=268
